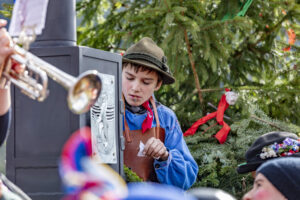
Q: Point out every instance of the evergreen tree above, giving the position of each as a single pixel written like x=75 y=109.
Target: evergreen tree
x=211 y=45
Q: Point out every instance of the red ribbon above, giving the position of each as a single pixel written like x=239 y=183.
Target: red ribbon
x=219 y=114
x=147 y=123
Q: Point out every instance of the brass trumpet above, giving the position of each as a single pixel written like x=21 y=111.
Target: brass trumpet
x=83 y=91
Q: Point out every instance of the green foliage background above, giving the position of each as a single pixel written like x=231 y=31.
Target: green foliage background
x=244 y=53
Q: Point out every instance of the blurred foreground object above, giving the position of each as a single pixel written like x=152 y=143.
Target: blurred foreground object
x=210 y=194
x=10 y=191
x=156 y=191
x=82 y=178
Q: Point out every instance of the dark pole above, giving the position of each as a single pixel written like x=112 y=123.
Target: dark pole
x=60 y=27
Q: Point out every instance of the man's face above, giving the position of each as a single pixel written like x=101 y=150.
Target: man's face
x=263 y=190
x=138 y=87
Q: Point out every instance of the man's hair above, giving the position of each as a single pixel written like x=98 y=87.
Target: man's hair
x=142 y=68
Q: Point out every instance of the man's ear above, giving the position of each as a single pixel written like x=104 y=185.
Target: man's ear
x=158 y=85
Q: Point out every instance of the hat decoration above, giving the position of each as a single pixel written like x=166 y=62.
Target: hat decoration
x=141 y=56
x=268 y=146
x=287 y=148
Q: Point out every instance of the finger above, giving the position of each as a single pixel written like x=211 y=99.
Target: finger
x=5 y=51
x=152 y=148
x=148 y=143
x=160 y=153
x=4 y=38
x=158 y=146
x=3 y=22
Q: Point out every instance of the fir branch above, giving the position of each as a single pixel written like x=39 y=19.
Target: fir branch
x=252 y=88
x=274 y=28
x=269 y=123
x=193 y=67
x=212 y=26
x=215 y=124
x=131 y=176
x=192 y=62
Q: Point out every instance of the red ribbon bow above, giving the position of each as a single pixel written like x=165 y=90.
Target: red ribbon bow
x=219 y=114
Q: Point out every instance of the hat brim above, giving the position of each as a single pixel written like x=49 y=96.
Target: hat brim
x=167 y=78
x=252 y=166
x=248 y=167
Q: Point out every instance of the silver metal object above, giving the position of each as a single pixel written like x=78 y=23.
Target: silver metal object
x=83 y=91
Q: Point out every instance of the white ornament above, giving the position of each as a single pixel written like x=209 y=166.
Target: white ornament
x=231 y=97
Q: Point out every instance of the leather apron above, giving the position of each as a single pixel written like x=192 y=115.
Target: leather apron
x=142 y=166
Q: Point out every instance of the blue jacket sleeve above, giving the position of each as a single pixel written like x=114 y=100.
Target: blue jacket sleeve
x=180 y=169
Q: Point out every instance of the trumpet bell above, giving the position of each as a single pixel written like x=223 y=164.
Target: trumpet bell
x=85 y=92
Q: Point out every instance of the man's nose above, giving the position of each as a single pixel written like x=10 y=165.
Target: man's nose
x=248 y=195
x=136 y=86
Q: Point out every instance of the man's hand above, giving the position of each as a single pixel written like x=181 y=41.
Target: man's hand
x=5 y=48
x=156 y=149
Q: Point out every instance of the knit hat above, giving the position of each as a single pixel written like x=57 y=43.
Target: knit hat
x=148 y=54
x=284 y=174
x=259 y=152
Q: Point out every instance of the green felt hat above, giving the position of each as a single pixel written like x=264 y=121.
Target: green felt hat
x=148 y=54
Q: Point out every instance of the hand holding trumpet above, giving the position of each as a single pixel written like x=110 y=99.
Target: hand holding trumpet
x=5 y=40
x=5 y=51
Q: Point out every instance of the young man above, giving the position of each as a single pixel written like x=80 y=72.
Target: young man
x=154 y=147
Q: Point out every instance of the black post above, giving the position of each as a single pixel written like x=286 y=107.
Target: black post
x=60 y=27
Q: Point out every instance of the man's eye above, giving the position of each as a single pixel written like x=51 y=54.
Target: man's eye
x=258 y=185
x=129 y=78
x=147 y=83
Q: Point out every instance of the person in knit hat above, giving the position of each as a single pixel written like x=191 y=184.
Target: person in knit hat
x=154 y=146
x=277 y=179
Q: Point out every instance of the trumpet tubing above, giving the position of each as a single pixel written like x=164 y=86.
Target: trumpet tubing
x=33 y=81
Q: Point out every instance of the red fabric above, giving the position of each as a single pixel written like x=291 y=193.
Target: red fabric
x=287 y=48
x=292 y=36
x=292 y=39
x=219 y=114
x=147 y=123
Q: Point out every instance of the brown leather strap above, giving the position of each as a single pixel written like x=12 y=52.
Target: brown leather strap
x=156 y=117
x=126 y=132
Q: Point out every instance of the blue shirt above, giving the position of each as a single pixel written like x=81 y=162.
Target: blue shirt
x=180 y=169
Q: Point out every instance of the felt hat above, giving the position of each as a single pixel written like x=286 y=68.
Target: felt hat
x=254 y=156
x=148 y=54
